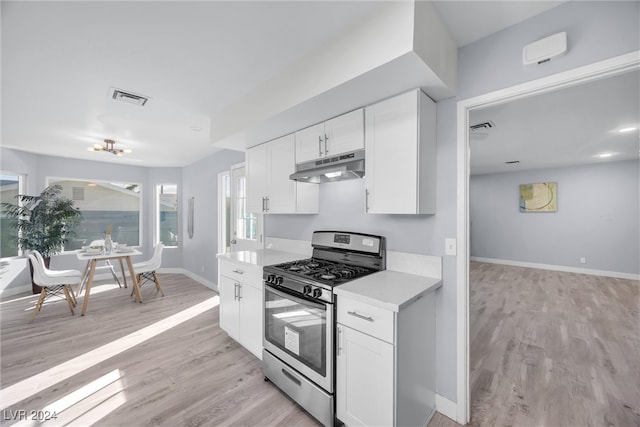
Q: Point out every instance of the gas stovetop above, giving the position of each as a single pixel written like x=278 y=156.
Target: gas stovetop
x=319 y=270
x=337 y=258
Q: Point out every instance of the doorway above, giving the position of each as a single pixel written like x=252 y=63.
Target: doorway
x=606 y=68
x=238 y=230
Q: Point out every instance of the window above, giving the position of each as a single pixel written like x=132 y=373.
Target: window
x=167 y=214
x=10 y=186
x=103 y=204
x=246 y=223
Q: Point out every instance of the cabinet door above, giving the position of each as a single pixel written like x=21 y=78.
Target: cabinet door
x=391 y=146
x=229 y=307
x=251 y=320
x=257 y=168
x=364 y=379
x=257 y=173
x=345 y=133
x=309 y=143
x=282 y=190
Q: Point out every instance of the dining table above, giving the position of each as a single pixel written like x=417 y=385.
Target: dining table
x=92 y=258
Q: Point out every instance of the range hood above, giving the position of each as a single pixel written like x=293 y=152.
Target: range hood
x=329 y=169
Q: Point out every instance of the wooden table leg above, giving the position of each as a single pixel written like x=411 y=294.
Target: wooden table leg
x=136 y=287
x=124 y=276
x=87 y=289
x=83 y=277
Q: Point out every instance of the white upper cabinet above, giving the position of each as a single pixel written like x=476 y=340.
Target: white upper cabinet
x=269 y=189
x=339 y=135
x=400 y=155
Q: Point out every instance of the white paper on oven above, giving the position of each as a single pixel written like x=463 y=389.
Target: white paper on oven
x=292 y=341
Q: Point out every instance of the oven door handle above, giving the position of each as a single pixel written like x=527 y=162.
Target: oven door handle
x=297 y=299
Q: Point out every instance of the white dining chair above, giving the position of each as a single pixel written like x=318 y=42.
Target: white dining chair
x=53 y=282
x=146 y=271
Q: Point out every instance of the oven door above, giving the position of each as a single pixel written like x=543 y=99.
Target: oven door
x=300 y=333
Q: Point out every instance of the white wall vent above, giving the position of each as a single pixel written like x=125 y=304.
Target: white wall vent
x=128 y=97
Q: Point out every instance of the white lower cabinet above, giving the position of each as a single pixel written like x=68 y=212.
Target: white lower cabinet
x=385 y=363
x=241 y=305
x=364 y=385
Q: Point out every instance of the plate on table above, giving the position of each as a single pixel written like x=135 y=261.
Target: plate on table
x=124 y=250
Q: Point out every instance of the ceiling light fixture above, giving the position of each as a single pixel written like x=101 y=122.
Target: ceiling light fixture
x=605 y=155
x=108 y=147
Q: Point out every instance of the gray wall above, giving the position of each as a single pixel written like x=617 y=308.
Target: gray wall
x=596 y=31
x=597 y=218
x=200 y=180
x=38 y=168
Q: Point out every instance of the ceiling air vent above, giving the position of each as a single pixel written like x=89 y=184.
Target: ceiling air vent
x=128 y=97
x=481 y=126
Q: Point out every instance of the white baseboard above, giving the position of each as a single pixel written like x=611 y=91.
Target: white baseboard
x=446 y=407
x=15 y=291
x=209 y=284
x=605 y=273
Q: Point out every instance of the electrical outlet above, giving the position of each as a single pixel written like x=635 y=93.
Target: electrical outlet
x=450 y=246
x=583 y=260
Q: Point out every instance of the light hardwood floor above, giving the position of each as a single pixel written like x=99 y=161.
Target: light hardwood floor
x=192 y=374
x=547 y=348
x=551 y=348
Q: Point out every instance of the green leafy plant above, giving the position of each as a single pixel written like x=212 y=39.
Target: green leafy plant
x=44 y=222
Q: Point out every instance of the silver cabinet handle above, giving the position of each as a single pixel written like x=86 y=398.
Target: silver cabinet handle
x=264 y=201
x=339 y=340
x=239 y=291
x=326 y=150
x=267 y=204
x=366 y=200
x=235 y=291
x=360 y=316
x=238 y=271
x=319 y=145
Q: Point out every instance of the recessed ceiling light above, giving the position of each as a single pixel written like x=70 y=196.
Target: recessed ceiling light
x=629 y=129
x=605 y=155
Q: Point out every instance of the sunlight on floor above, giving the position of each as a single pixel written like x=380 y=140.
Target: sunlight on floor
x=85 y=406
x=32 y=385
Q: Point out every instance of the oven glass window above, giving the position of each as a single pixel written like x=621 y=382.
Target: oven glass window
x=296 y=328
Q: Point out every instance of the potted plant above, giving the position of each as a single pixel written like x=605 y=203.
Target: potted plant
x=44 y=222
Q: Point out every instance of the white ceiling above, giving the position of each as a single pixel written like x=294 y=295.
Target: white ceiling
x=193 y=59
x=566 y=127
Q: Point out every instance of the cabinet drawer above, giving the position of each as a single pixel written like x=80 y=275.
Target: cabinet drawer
x=247 y=274
x=366 y=318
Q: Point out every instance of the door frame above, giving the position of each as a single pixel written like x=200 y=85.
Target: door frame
x=605 y=68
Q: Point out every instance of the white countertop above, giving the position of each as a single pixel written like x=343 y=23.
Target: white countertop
x=388 y=289
x=260 y=257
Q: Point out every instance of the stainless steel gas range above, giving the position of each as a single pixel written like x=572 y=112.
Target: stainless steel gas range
x=299 y=316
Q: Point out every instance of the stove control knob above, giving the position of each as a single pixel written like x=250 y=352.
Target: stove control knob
x=279 y=280
x=271 y=278
x=306 y=290
x=317 y=293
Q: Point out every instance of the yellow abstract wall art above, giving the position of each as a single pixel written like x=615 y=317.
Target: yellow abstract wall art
x=541 y=197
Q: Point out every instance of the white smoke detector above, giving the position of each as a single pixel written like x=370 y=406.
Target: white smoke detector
x=545 y=49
